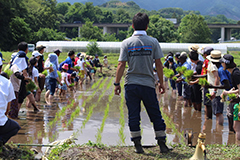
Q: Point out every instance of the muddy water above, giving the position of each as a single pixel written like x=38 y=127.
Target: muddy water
x=35 y=126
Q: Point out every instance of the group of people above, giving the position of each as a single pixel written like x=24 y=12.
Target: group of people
x=223 y=78
x=141 y=52
x=43 y=74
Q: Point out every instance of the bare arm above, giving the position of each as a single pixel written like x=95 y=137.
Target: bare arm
x=159 y=68
x=8 y=108
x=119 y=74
x=73 y=69
x=200 y=76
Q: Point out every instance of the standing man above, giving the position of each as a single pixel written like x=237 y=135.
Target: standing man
x=8 y=127
x=139 y=51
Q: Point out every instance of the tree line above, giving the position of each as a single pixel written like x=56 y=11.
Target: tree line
x=39 y=20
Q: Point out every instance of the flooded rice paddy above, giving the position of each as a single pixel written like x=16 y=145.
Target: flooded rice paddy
x=94 y=113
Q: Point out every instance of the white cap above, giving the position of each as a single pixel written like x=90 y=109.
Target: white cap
x=36 y=54
x=1 y=62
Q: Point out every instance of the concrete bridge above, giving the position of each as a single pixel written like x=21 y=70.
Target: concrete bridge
x=114 y=28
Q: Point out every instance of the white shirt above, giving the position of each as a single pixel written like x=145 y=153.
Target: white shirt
x=105 y=61
x=35 y=73
x=64 y=77
x=80 y=63
x=14 y=80
x=210 y=76
x=7 y=95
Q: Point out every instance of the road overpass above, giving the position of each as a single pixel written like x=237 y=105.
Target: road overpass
x=114 y=28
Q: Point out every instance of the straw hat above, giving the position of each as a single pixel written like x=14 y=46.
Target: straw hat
x=194 y=48
x=83 y=54
x=215 y=56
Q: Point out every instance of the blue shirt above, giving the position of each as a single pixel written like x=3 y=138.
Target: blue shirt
x=54 y=73
x=187 y=65
x=224 y=75
x=70 y=63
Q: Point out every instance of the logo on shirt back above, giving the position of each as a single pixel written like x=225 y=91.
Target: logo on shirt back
x=140 y=51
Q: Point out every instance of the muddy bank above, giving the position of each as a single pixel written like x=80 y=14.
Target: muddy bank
x=101 y=152
x=10 y=151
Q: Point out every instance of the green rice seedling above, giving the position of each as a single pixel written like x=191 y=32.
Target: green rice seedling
x=223 y=98
x=39 y=134
x=31 y=86
x=100 y=130
x=188 y=74
x=168 y=72
x=232 y=96
x=9 y=72
x=6 y=67
x=174 y=78
x=122 y=121
x=45 y=72
x=203 y=82
x=71 y=85
x=77 y=67
x=208 y=95
x=91 y=110
x=59 y=75
x=74 y=115
x=181 y=70
x=106 y=111
x=170 y=124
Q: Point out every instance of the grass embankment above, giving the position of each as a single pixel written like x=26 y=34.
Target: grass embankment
x=98 y=151
x=11 y=151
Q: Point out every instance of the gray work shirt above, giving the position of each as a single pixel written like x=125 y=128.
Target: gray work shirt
x=140 y=51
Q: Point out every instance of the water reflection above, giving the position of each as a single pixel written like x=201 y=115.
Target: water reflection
x=35 y=126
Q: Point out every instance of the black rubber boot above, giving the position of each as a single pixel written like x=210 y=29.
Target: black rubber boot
x=138 y=146
x=162 y=146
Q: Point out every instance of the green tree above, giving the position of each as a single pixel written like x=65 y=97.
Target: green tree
x=62 y=8
x=122 y=35
x=9 y=9
x=47 y=34
x=88 y=31
x=110 y=37
x=93 y=48
x=163 y=30
x=122 y=16
x=107 y=17
x=20 y=30
x=193 y=29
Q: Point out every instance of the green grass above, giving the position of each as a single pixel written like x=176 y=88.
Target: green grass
x=90 y=150
x=236 y=55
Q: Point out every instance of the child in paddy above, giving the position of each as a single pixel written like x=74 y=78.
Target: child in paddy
x=64 y=80
x=33 y=74
x=53 y=77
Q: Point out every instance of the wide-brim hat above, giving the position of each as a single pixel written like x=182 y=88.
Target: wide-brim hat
x=206 y=50
x=40 y=47
x=65 y=66
x=183 y=56
x=36 y=54
x=194 y=48
x=228 y=60
x=215 y=56
x=57 y=51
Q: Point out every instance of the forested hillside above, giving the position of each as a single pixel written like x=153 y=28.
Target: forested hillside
x=229 y=8
x=39 y=20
